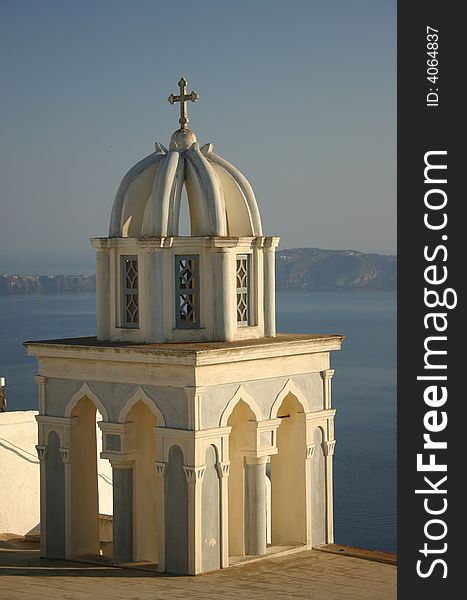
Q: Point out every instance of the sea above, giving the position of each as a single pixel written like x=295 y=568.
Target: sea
x=363 y=388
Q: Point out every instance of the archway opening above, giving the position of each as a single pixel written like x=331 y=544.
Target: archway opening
x=289 y=477
x=145 y=538
x=104 y=493
x=55 y=494
x=85 y=535
x=241 y=440
x=184 y=221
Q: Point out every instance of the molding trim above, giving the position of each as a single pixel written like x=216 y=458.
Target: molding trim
x=223 y=469
x=328 y=447
x=327 y=373
x=57 y=421
x=86 y=392
x=194 y=474
x=288 y=388
x=141 y=396
x=160 y=469
x=240 y=394
x=41 y=452
x=65 y=453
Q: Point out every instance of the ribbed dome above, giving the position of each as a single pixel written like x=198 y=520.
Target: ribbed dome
x=221 y=200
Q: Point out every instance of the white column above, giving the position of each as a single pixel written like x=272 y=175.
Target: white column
x=42 y=456
x=194 y=477
x=103 y=293
x=255 y=505
x=225 y=308
x=152 y=290
x=269 y=288
x=223 y=470
x=66 y=459
x=329 y=452
x=327 y=376
x=122 y=521
x=160 y=507
x=310 y=448
x=41 y=381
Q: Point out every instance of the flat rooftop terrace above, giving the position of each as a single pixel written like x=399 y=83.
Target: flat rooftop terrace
x=190 y=352
x=281 y=338
x=332 y=574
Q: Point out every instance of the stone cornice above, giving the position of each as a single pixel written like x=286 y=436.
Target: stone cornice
x=104 y=243
x=190 y=354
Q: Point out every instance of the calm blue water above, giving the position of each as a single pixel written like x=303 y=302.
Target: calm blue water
x=363 y=388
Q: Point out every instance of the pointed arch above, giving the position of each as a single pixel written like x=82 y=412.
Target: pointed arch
x=289 y=388
x=141 y=396
x=85 y=391
x=240 y=394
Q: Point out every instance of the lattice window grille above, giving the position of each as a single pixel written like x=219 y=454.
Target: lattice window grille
x=243 y=289
x=130 y=291
x=187 y=291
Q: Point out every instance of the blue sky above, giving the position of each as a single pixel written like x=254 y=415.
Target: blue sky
x=300 y=95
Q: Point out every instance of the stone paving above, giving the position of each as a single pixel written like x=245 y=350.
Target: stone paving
x=310 y=574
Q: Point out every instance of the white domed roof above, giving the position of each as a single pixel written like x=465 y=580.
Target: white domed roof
x=221 y=200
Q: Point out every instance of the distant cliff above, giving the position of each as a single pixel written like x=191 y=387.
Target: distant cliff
x=299 y=269
x=312 y=269
x=45 y=284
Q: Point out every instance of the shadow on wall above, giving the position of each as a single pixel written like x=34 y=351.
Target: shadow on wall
x=20 y=467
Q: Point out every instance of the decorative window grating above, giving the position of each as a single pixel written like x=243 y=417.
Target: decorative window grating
x=130 y=291
x=243 y=289
x=187 y=291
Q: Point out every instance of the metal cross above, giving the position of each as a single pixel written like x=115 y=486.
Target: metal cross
x=183 y=99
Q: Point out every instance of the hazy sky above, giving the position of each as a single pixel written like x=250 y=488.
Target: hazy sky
x=300 y=95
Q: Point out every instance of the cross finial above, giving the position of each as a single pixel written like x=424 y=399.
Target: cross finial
x=183 y=98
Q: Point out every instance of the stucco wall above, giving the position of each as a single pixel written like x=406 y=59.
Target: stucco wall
x=263 y=391
x=170 y=400
x=19 y=474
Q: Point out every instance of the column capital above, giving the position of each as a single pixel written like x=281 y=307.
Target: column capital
x=328 y=447
x=192 y=391
x=327 y=373
x=65 y=453
x=155 y=244
x=120 y=462
x=52 y=422
x=264 y=438
x=271 y=243
x=41 y=450
x=222 y=244
x=223 y=469
x=40 y=379
x=310 y=448
x=194 y=474
x=256 y=460
x=160 y=469
x=103 y=244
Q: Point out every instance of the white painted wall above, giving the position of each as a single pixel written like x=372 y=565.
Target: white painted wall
x=19 y=474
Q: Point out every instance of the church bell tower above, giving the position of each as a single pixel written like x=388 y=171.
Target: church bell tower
x=218 y=430
x=154 y=285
